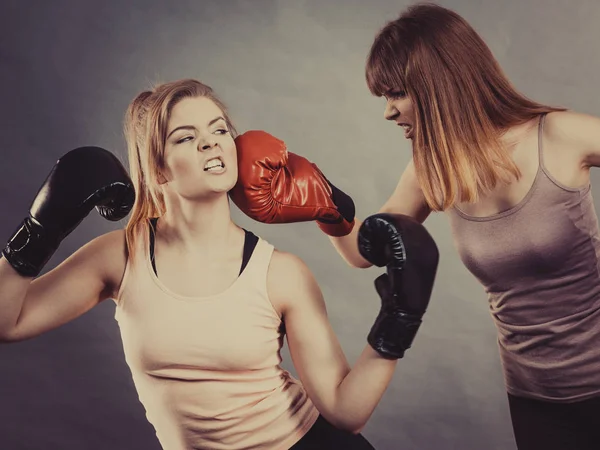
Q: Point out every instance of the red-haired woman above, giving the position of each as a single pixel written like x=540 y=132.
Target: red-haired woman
x=513 y=176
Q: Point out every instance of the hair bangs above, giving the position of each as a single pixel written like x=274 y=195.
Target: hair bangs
x=386 y=65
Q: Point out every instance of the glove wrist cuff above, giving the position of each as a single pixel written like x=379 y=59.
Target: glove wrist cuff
x=29 y=249
x=393 y=334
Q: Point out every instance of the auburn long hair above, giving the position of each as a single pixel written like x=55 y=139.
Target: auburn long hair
x=462 y=102
x=145 y=126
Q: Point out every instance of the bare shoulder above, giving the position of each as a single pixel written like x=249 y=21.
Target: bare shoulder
x=289 y=281
x=577 y=132
x=110 y=252
x=287 y=272
x=568 y=123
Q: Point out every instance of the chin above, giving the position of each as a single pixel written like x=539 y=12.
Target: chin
x=224 y=186
x=212 y=194
x=223 y=182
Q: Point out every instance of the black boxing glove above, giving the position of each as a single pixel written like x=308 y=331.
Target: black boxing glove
x=82 y=179
x=411 y=258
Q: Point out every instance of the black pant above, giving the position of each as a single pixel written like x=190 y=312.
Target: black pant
x=541 y=425
x=324 y=436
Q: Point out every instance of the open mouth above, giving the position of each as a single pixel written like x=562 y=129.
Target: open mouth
x=408 y=130
x=214 y=165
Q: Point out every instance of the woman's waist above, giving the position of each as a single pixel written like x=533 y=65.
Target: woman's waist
x=545 y=348
x=226 y=412
x=213 y=393
x=552 y=374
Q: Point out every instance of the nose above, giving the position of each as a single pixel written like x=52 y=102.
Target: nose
x=390 y=112
x=207 y=142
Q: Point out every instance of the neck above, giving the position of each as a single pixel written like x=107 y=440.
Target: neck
x=198 y=226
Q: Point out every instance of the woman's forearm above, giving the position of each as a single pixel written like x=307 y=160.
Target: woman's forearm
x=14 y=289
x=361 y=390
x=347 y=247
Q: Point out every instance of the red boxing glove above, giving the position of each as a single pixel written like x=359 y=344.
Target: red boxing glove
x=277 y=186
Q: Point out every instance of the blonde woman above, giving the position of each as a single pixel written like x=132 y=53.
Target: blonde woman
x=202 y=304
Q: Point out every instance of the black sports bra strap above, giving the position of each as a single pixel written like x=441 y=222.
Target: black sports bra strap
x=152 y=227
x=250 y=241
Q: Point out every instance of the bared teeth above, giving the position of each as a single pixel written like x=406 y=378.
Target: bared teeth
x=212 y=163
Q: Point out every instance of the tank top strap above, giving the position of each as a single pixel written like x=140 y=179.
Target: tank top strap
x=541 y=142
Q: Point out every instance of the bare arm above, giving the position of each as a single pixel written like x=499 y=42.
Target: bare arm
x=90 y=275
x=345 y=397
x=407 y=199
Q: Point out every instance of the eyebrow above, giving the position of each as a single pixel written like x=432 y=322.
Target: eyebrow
x=191 y=127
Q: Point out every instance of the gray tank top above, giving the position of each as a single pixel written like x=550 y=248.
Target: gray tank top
x=539 y=264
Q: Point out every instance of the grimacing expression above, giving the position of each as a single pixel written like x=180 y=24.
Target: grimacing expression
x=399 y=108
x=200 y=154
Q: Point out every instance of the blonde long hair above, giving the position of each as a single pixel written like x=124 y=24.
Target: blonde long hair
x=461 y=98
x=145 y=126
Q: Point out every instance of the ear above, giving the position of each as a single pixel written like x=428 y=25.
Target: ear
x=161 y=178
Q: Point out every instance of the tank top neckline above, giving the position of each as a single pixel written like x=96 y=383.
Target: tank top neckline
x=540 y=172
x=195 y=298
x=507 y=212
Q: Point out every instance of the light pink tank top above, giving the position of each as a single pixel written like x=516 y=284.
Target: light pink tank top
x=540 y=265
x=207 y=369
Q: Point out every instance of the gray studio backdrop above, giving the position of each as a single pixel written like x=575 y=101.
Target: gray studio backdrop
x=294 y=68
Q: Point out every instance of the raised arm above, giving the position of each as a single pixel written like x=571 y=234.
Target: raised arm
x=92 y=274
x=344 y=397
x=347 y=397
x=82 y=179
